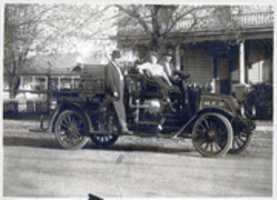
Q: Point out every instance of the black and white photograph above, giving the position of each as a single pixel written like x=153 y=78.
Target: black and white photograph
x=137 y=100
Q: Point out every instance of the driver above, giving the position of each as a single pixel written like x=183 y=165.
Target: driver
x=115 y=81
x=156 y=71
x=170 y=69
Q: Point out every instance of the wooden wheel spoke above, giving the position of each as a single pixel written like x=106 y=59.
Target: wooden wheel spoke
x=200 y=130
x=238 y=141
x=213 y=125
x=65 y=122
x=206 y=123
x=74 y=121
x=217 y=147
x=211 y=146
x=63 y=125
x=67 y=119
x=243 y=138
x=206 y=145
x=243 y=134
x=203 y=128
x=201 y=141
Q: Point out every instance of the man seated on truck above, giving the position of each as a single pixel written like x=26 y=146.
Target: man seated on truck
x=170 y=69
x=115 y=81
x=157 y=73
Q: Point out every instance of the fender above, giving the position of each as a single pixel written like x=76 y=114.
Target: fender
x=226 y=113
x=238 y=122
x=187 y=128
x=67 y=105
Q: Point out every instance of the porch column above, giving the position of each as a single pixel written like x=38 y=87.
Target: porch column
x=242 y=71
x=177 y=57
x=34 y=82
x=46 y=83
x=215 y=74
x=72 y=82
x=21 y=83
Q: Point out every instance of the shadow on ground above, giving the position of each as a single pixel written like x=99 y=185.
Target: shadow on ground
x=51 y=143
x=31 y=142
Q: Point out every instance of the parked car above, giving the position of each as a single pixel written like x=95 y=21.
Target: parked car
x=213 y=122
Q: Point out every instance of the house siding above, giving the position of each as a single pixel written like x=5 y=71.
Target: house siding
x=198 y=64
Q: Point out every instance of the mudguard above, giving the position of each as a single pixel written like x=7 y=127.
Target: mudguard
x=237 y=121
x=214 y=109
x=67 y=105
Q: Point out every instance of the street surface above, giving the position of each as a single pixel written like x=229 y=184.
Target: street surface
x=34 y=165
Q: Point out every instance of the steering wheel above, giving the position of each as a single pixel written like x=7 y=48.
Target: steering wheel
x=181 y=75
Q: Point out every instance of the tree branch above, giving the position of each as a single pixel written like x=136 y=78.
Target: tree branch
x=182 y=16
x=136 y=16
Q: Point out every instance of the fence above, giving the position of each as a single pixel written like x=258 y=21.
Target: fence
x=34 y=92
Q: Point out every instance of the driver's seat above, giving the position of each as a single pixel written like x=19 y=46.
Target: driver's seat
x=150 y=89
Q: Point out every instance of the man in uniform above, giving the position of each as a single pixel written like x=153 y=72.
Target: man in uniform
x=115 y=81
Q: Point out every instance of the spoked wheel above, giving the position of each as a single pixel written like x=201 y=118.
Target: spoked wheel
x=212 y=135
x=250 y=106
x=251 y=111
x=110 y=128
x=240 y=142
x=70 y=130
x=103 y=140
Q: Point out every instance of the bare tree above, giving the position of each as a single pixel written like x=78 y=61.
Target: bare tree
x=32 y=29
x=157 y=22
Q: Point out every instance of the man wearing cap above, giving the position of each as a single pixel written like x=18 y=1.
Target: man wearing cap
x=170 y=69
x=115 y=82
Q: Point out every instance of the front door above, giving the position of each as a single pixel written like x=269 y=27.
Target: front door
x=224 y=75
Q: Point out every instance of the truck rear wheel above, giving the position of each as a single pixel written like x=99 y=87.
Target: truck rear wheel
x=110 y=127
x=240 y=143
x=71 y=129
x=212 y=135
x=103 y=140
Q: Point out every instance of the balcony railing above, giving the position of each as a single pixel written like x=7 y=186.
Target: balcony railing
x=241 y=21
x=237 y=21
x=254 y=19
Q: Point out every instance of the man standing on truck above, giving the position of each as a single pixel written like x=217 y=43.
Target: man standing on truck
x=115 y=82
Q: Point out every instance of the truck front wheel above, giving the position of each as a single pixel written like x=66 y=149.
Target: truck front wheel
x=212 y=135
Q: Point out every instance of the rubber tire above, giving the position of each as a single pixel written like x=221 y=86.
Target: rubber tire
x=84 y=140
x=229 y=138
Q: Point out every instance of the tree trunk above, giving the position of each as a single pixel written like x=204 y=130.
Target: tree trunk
x=155 y=36
x=14 y=80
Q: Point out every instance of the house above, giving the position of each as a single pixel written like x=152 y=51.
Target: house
x=222 y=52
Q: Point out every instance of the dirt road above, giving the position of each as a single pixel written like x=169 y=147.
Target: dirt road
x=35 y=166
